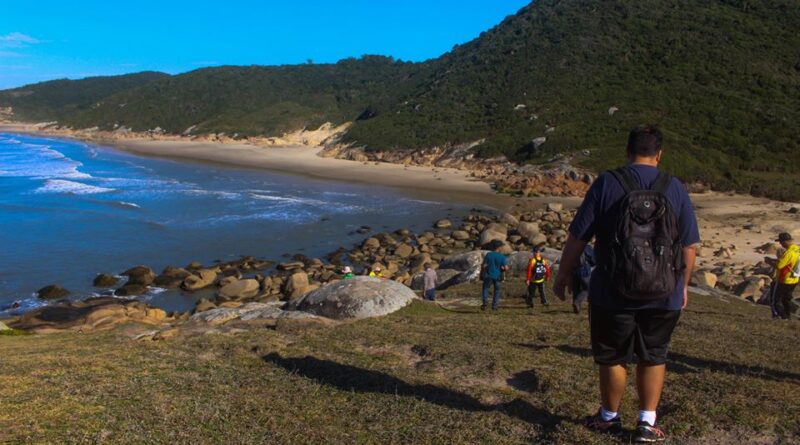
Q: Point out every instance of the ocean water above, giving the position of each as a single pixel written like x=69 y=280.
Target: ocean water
x=70 y=210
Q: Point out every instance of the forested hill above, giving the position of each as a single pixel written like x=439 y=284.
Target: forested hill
x=63 y=99
x=722 y=79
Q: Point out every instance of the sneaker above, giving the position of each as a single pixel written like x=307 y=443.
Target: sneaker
x=597 y=424
x=483 y=307
x=645 y=433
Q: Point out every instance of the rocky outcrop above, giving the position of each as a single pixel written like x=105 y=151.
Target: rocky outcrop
x=247 y=312
x=89 y=315
x=357 y=298
x=444 y=279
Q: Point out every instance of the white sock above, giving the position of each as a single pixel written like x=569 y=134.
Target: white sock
x=607 y=415
x=648 y=416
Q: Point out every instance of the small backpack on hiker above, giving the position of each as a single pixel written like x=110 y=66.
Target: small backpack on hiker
x=646 y=249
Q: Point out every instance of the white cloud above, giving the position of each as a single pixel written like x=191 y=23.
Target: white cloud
x=17 y=40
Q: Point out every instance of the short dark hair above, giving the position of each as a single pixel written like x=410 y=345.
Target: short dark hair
x=645 y=140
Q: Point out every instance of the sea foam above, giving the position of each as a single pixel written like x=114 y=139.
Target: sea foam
x=75 y=188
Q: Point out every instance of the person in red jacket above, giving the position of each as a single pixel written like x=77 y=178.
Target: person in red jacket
x=538 y=274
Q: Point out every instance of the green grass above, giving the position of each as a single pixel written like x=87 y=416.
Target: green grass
x=425 y=374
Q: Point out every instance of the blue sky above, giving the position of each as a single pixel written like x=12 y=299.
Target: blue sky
x=44 y=39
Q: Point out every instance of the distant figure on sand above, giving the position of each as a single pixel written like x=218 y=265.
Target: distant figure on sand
x=581 y=278
x=646 y=236
x=347 y=273
x=429 y=278
x=787 y=275
x=492 y=270
x=538 y=274
x=376 y=272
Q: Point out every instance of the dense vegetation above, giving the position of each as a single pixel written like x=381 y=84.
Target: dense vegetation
x=59 y=100
x=722 y=78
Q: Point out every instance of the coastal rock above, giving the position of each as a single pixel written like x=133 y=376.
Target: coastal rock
x=296 y=285
x=528 y=230
x=171 y=277
x=88 y=315
x=105 y=280
x=460 y=235
x=357 y=298
x=443 y=224
x=204 y=305
x=704 y=278
x=142 y=275
x=247 y=312
x=52 y=292
x=469 y=264
x=518 y=261
x=403 y=250
x=371 y=244
x=130 y=290
x=239 y=290
x=554 y=207
x=493 y=231
x=509 y=220
x=200 y=279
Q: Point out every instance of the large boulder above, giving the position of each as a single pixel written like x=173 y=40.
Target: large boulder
x=444 y=279
x=469 y=264
x=443 y=224
x=239 y=290
x=518 y=261
x=509 y=220
x=403 y=250
x=130 y=290
x=200 y=279
x=88 y=315
x=142 y=275
x=460 y=235
x=493 y=231
x=360 y=297
x=52 y=292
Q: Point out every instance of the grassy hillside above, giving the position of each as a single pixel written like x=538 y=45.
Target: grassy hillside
x=423 y=375
x=57 y=100
x=721 y=77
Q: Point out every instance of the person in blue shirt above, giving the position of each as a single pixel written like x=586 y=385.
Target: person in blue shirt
x=494 y=266
x=620 y=327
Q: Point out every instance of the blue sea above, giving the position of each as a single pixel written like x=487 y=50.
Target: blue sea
x=70 y=210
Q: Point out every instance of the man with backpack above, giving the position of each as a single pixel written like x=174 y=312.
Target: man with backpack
x=787 y=271
x=538 y=274
x=646 y=235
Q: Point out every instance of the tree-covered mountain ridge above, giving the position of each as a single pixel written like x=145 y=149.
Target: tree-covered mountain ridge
x=559 y=78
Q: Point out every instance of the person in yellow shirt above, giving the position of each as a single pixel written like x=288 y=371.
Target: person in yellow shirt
x=787 y=275
x=376 y=272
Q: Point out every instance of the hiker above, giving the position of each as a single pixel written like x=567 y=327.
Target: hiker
x=347 y=273
x=787 y=275
x=492 y=271
x=429 y=278
x=538 y=274
x=581 y=277
x=376 y=272
x=646 y=237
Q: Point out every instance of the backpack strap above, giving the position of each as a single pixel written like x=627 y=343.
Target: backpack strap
x=662 y=183
x=625 y=179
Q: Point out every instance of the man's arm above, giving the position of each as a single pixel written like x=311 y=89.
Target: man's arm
x=569 y=261
x=689 y=257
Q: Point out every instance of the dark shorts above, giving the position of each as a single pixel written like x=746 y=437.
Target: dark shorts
x=617 y=335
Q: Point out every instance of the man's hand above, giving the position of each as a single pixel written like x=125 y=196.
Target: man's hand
x=561 y=285
x=527 y=282
x=685 y=297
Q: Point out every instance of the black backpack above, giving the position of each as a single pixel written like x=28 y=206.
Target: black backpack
x=646 y=249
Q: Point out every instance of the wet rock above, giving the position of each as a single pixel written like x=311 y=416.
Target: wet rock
x=52 y=292
x=357 y=298
x=141 y=275
x=371 y=244
x=105 y=280
x=131 y=290
x=171 y=277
